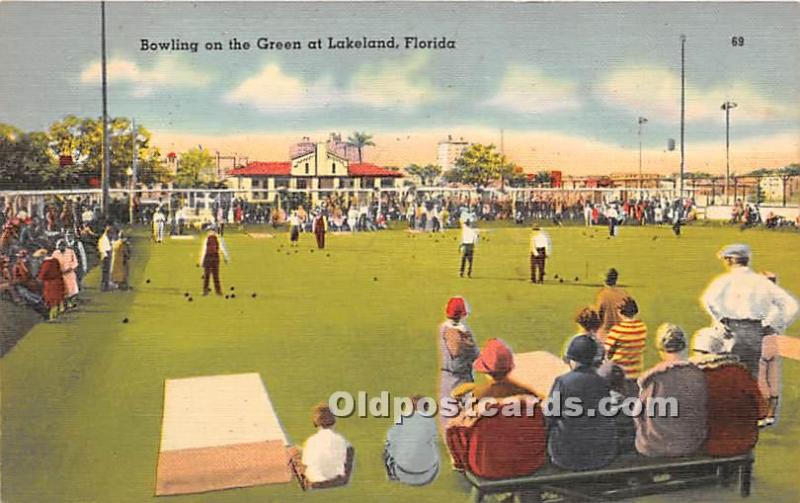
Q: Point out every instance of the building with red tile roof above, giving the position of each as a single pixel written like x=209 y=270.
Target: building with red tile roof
x=313 y=168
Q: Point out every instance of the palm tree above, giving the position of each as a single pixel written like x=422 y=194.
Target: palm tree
x=359 y=141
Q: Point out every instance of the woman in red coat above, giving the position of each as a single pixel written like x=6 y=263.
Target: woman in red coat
x=53 y=280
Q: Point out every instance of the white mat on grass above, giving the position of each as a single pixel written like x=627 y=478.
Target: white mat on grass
x=184 y=238
x=219 y=432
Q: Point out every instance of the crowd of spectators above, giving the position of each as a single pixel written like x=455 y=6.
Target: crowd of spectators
x=702 y=398
x=428 y=211
x=46 y=250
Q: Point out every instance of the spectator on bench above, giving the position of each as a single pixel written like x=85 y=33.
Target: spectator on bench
x=498 y=445
x=496 y=361
x=327 y=458
x=584 y=441
x=589 y=322
x=411 y=453
x=735 y=403
x=678 y=432
x=625 y=345
x=25 y=284
x=6 y=279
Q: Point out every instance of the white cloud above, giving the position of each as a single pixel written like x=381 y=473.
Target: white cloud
x=165 y=73
x=273 y=90
x=396 y=84
x=527 y=90
x=655 y=92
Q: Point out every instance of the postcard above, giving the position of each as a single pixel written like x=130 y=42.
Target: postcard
x=399 y=251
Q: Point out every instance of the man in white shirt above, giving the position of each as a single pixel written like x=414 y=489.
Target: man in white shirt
x=158 y=225
x=612 y=215
x=587 y=215
x=327 y=458
x=469 y=238
x=748 y=304
x=104 y=250
x=541 y=248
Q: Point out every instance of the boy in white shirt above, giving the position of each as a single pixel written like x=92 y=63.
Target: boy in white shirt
x=327 y=458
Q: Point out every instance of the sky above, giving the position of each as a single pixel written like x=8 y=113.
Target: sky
x=565 y=82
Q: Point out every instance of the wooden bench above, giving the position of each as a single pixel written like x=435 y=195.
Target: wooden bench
x=629 y=476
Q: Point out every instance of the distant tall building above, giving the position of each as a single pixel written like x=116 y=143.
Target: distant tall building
x=449 y=151
x=335 y=145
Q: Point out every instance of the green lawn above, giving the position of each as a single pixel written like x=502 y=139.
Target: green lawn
x=82 y=398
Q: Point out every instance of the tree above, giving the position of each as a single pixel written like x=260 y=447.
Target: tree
x=542 y=178
x=82 y=139
x=196 y=169
x=511 y=174
x=427 y=173
x=478 y=165
x=26 y=162
x=762 y=172
x=359 y=141
x=698 y=175
x=517 y=178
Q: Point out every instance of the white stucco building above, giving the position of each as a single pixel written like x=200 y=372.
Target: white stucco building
x=313 y=168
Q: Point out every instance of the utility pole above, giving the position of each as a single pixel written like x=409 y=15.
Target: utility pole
x=135 y=159
x=727 y=106
x=642 y=120
x=106 y=170
x=683 y=108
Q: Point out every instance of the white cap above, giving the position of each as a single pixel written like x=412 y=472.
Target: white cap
x=712 y=340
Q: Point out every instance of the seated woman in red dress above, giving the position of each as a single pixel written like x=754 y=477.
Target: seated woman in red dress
x=506 y=440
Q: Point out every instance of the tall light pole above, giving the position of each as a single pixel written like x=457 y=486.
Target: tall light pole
x=106 y=171
x=683 y=107
x=727 y=106
x=134 y=162
x=642 y=120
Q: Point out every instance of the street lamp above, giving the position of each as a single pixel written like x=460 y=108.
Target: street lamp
x=727 y=106
x=642 y=120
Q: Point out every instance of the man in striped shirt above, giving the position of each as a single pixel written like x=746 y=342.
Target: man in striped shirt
x=626 y=340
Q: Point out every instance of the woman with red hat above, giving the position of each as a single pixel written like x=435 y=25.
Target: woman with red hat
x=457 y=350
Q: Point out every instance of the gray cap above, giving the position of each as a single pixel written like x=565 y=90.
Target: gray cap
x=670 y=338
x=737 y=250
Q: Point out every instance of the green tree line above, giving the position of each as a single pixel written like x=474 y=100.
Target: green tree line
x=31 y=160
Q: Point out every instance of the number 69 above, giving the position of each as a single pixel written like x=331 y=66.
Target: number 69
x=737 y=41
